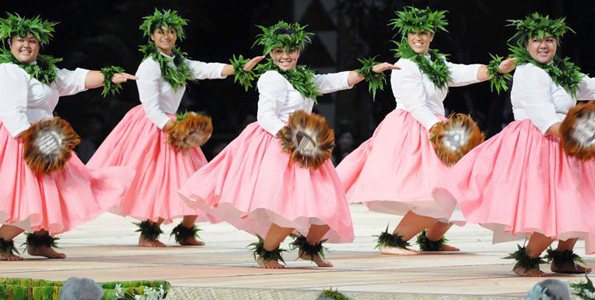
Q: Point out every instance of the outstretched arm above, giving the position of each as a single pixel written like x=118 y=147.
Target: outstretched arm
x=355 y=77
x=505 y=67
x=96 y=79
x=230 y=70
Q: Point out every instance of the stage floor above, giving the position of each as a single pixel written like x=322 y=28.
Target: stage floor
x=224 y=269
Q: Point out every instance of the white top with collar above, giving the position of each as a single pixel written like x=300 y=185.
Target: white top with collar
x=536 y=97
x=24 y=100
x=279 y=99
x=417 y=94
x=158 y=96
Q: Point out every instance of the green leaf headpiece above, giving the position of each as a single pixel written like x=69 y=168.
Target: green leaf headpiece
x=283 y=35
x=16 y=25
x=165 y=18
x=540 y=27
x=412 y=19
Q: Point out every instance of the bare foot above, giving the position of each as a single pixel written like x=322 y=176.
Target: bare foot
x=269 y=264
x=570 y=268
x=317 y=259
x=10 y=257
x=529 y=273
x=146 y=243
x=449 y=248
x=192 y=241
x=45 y=251
x=398 y=251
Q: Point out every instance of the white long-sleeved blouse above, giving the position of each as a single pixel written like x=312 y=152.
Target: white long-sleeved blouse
x=24 y=100
x=158 y=96
x=279 y=99
x=536 y=97
x=417 y=94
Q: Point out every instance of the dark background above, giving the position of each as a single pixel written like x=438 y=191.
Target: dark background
x=93 y=34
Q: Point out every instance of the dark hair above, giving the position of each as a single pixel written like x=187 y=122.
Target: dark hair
x=283 y=31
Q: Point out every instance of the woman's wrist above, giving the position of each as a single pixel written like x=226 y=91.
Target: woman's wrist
x=555 y=130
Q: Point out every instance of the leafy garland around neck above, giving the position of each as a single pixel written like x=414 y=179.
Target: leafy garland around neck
x=301 y=78
x=178 y=76
x=44 y=70
x=563 y=72
x=436 y=70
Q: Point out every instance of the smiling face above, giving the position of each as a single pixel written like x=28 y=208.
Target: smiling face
x=165 y=39
x=542 y=50
x=420 y=41
x=25 y=49
x=285 y=60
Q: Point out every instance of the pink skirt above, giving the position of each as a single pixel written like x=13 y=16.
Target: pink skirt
x=252 y=185
x=396 y=169
x=138 y=144
x=58 y=202
x=520 y=182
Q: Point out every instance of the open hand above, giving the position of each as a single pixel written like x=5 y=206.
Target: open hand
x=122 y=77
x=379 y=68
x=252 y=63
x=507 y=65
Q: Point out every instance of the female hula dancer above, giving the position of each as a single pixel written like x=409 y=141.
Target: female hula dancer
x=396 y=169
x=47 y=199
x=254 y=183
x=140 y=140
x=520 y=183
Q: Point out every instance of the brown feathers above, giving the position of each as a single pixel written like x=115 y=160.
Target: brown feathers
x=189 y=130
x=455 y=137
x=48 y=145
x=578 y=132
x=308 y=139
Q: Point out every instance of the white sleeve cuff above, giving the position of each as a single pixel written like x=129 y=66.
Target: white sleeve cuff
x=162 y=121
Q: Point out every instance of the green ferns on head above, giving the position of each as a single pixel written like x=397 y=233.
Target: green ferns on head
x=283 y=35
x=540 y=27
x=16 y=25
x=412 y=19
x=165 y=18
x=177 y=77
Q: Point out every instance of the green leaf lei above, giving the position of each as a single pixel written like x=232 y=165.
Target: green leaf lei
x=436 y=70
x=375 y=81
x=301 y=78
x=245 y=78
x=44 y=70
x=497 y=79
x=563 y=72
x=110 y=88
x=178 y=76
